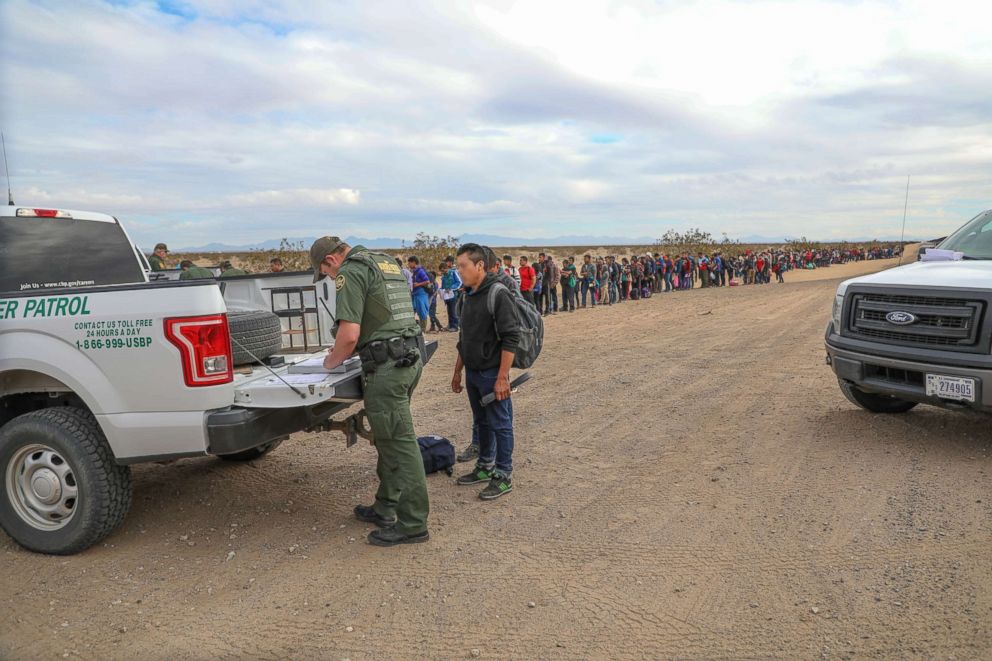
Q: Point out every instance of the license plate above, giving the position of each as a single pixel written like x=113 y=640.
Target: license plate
x=951 y=387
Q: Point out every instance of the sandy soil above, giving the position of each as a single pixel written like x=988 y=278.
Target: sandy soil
x=689 y=483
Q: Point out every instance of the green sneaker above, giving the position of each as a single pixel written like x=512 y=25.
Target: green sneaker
x=499 y=485
x=478 y=474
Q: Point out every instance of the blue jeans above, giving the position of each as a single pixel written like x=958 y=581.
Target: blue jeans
x=494 y=422
x=588 y=288
x=433 y=313
x=452 y=305
x=668 y=281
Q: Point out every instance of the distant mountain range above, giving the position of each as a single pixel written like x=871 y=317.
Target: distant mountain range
x=393 y=242
x=491 y=240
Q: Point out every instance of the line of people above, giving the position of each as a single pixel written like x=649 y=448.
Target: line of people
x=564 y=287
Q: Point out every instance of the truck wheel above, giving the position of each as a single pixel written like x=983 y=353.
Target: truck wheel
x=253 y=453
x=874 y=402
x=253 y=332
x=62 y=490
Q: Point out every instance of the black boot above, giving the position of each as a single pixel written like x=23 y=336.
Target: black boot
x=391 y=537
x=369 y=515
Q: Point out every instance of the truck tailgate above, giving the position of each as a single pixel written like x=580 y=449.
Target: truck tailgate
x=282 y=388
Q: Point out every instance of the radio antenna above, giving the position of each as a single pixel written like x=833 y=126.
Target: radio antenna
x=6 y=170
x=905 y=207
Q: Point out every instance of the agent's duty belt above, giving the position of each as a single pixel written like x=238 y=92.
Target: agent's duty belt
x=402 y=351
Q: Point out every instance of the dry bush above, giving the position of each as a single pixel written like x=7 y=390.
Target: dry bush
x=430 y=250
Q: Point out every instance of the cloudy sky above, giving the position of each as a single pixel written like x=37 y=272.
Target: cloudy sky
x=245 y=120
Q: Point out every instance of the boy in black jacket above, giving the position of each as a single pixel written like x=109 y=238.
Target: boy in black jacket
x=486 y=346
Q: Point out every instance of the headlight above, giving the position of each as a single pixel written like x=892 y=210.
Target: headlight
x=835 y=314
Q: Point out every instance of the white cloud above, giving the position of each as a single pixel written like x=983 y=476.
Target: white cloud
x=297 y=197
x=499 y=207
x=586 y=190
x=79 y=198
x=553 y=117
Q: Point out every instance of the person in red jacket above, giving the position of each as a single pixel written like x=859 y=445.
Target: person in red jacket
x=527 y=279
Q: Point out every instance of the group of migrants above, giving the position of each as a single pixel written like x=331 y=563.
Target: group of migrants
x=573 y=284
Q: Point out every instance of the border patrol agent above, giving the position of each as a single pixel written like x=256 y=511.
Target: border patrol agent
x=157 y=259
x=227 y=270
x=375 y=318
x=191 y=271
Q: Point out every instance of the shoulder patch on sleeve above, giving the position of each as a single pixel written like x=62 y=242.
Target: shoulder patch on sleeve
x=339 y=282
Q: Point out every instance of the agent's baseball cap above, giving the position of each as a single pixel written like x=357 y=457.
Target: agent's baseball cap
x=320 y=249
x=161 y=246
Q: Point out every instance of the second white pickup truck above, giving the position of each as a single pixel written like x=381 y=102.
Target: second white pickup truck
x=920 y=333
x=101 y=367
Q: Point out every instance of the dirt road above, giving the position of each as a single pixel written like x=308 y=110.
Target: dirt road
x=689 y=483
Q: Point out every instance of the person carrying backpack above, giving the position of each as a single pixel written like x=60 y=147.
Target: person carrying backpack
x=451 y=285
x=569 y=282
x=669 y=274
x=487 y=347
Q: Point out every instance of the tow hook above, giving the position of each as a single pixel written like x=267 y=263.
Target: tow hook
x=353 y=426
x=829 y=360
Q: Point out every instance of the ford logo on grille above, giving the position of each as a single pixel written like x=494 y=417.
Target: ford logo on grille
x=900 y=318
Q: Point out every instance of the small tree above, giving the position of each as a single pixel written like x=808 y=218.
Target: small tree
x=429 y=249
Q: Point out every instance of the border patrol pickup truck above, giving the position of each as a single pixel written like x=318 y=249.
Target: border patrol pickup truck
x=920 y=333
x=102 y=367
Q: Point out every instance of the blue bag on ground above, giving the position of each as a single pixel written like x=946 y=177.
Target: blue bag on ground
x=438 y=454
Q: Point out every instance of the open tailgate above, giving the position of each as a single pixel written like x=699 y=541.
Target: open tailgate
x=301 y=383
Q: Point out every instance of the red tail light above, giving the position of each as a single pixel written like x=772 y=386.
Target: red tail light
x=205 y=346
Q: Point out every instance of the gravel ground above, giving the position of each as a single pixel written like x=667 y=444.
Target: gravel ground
x=689 y=483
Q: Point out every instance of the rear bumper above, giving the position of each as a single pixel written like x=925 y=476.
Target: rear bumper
x=906 y=379
x=237 y=429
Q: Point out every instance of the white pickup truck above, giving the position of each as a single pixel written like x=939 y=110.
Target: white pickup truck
x=920 y=333
x=102 y=367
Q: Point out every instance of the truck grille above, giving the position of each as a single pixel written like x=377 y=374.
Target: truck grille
x=940 y=321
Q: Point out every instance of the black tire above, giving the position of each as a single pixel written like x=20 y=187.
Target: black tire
x=874 y=402
x=73 y=439
x=253 y=453
x=255 y=331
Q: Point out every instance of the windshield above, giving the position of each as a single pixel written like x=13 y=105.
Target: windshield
x=974 y=239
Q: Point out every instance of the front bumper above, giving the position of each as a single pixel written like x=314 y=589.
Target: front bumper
x=905 y=379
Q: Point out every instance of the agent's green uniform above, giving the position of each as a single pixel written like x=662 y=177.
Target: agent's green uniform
x=196 y=273
x=372 y=291
x=229 y=272
x=156 y=262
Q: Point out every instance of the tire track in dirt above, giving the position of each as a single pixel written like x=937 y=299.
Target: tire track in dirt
x=689 y=483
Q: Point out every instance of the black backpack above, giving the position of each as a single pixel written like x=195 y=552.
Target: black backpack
x=531 y=325
x=531 y=322
x=438 y=454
